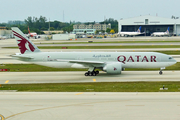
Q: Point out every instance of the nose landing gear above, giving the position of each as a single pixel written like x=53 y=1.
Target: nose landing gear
x=160 y=72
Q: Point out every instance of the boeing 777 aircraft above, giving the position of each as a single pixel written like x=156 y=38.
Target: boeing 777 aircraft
x=110 y=62
x=160 y=34
x=138 y=32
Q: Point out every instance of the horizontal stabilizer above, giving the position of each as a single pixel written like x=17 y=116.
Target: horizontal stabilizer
x=22 y=57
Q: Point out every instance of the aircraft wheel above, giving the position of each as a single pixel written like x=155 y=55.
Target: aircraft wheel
x=90 y=74
x=160 y=72
x=97 y=72
x=86 y=74
x=93 y=74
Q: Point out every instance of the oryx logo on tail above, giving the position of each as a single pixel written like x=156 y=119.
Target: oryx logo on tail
x=23 y=44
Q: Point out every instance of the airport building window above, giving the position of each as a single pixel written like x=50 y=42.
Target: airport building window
x=146 y=21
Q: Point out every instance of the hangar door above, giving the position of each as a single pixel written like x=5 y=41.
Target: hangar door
x=177 y=30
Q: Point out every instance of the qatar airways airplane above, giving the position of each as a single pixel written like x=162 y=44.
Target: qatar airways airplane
x=110 y=62
x=126 y=34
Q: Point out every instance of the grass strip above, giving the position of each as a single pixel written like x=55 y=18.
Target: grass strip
x=173 y=52
x=106 y=47
x=35 y=68
x=39 y=68
x=95 y=87
x=104 y=42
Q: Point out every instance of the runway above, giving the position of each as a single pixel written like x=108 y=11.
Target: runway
x=109 y=44
x=89 y=106
x=75 y=77
x=12 y=42
x=112 y=44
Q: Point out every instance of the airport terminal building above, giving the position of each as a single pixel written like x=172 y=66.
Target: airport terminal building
x=150 y=24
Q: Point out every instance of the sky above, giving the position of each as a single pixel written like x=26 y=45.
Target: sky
x=86 y=10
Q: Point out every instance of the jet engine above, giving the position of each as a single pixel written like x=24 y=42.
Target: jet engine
x=113 y=68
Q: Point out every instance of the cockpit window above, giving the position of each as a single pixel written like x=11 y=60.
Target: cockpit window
x=170 y=57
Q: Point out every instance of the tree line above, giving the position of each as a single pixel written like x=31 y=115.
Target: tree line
x=41 y=24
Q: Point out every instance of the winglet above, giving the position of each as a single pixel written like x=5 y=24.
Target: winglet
x=25 y=45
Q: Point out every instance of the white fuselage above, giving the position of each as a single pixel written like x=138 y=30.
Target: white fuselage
x=32 y=34
x=159 y=34
x=129 y=33
x=73 y=59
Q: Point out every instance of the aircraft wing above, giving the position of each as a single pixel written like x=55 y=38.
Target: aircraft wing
x=89 y=63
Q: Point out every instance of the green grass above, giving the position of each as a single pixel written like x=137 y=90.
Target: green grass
x=106 y=47
x=173 y=52
x=39 y=68
x=95 y=87
x=34 y=68
x=106 y=42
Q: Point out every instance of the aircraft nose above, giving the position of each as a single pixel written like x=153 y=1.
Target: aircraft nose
x=173 y=60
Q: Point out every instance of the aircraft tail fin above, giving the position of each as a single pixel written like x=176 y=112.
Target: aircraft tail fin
x=24 y=44
x=167 y=30
x=139 y=29
x=28 y=30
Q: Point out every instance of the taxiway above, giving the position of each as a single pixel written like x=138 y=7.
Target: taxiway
x=75 y=76
x=89 y=106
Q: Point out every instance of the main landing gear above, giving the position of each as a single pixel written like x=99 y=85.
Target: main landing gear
x=160 y=72
x=91 y=72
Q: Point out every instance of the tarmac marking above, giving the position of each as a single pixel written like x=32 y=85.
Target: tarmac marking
x=79 y=93
x=11 y=116
x=7 y=81
x=94 y=80
x=2 y=117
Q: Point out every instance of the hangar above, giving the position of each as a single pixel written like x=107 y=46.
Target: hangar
x=150 y=24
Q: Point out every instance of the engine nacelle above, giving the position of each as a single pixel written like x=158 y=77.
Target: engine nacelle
x=113 y=68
